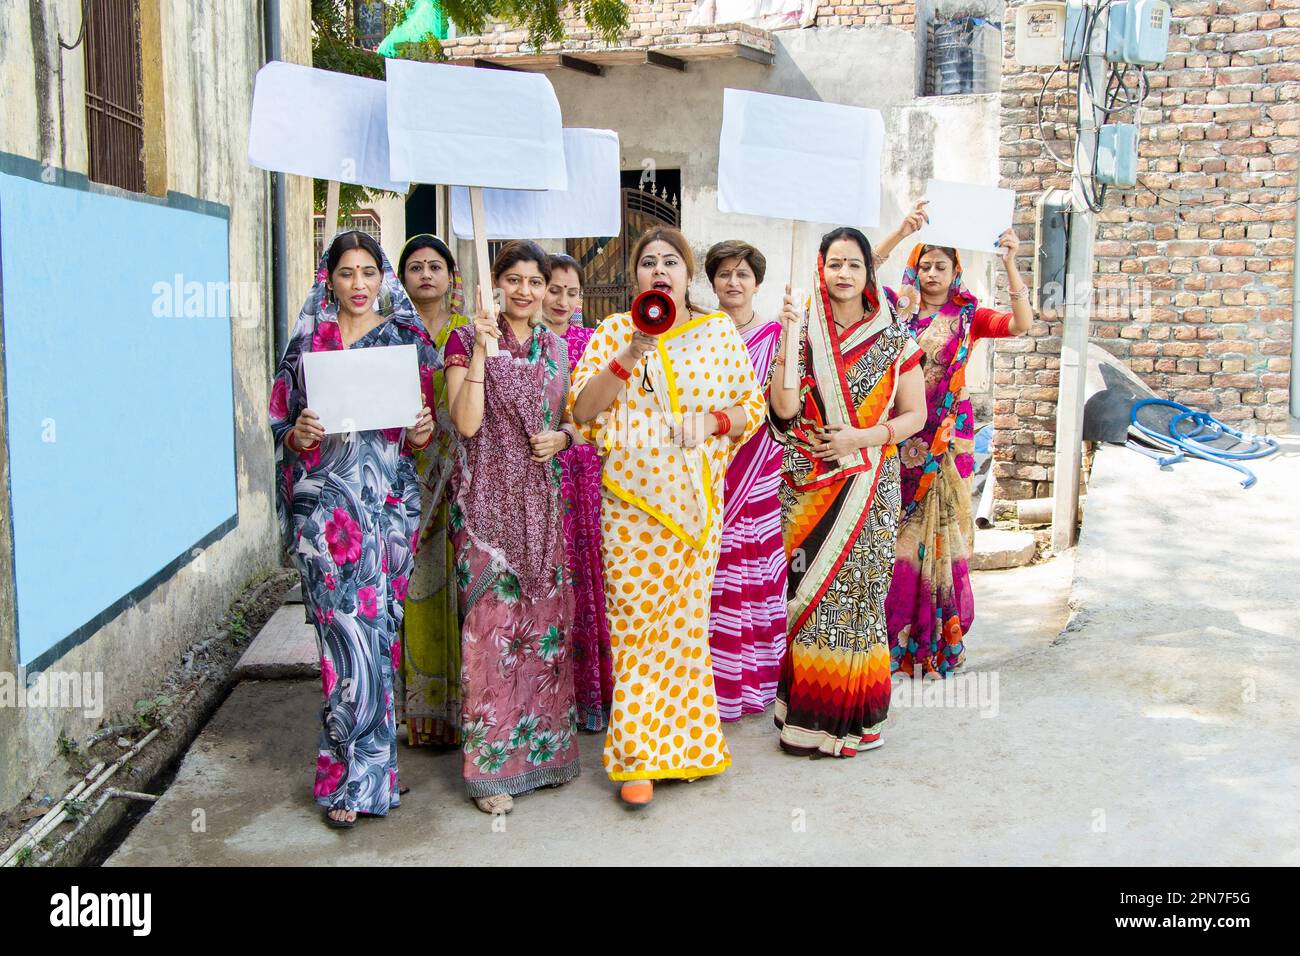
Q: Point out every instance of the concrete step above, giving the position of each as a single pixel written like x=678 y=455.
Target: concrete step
x=284 y=648
x=996 y=549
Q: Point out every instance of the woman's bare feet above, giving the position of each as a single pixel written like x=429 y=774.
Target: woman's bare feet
x=497 y=803
x=637 y=793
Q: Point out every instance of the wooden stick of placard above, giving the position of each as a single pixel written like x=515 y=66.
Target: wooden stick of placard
x=331 y=211
x=792 y=341
x=484 y=267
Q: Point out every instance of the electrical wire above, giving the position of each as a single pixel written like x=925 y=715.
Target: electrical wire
x=1144 y=89
x=1114 y=86
x=1094 y=197
x=1117 y=97
x=81 y=34
x=1043 y=135
x=1087 y=186
x=1091 y=22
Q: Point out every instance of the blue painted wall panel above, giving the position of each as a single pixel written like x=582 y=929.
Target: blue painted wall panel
x=120 y=411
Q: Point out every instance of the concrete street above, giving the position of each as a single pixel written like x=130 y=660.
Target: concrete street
x=1158 y=729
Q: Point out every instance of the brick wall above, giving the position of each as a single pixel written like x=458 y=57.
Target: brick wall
x=899 y=13
x=1214 y=253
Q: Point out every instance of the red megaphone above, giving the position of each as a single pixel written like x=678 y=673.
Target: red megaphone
x=653 y=312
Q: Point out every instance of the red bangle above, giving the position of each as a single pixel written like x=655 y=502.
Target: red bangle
x=890 y=429
x=619 y=370
x=419 y=447
x=293 y=446
x=724 y=423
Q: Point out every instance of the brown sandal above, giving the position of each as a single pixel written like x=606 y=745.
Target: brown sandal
x=497 y=803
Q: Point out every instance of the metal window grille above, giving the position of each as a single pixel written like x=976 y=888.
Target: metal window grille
x=368 y=19
x=362 y=221
x=114 y=110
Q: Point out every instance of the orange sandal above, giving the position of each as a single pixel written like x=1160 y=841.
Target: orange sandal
x=637 y=793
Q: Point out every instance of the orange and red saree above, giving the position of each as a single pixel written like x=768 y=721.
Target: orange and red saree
x=841 y=519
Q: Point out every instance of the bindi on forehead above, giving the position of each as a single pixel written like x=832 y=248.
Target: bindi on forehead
x=660 y=250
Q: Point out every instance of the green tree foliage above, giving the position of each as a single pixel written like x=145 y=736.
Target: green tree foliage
x=543 y=19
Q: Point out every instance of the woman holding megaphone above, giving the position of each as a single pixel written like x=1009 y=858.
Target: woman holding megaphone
x=666 y=394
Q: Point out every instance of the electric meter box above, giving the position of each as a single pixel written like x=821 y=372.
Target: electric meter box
x=1138 y=32
x=1051 y=234
x=1040 y=28
x=1076 y=22
x=1117 y=148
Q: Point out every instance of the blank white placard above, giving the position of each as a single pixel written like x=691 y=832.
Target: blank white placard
x=363 y=389
x=789 y=158
x=591 y=206
x=461 y=126
x=322 y=124
x=966 y=216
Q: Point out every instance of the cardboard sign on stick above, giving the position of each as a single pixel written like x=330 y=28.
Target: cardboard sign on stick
x=332 y=208
x=797 y=299
x=966 y=216
x=788 y=158
x=363 y=389
x=481 y=265
x=461 y=126
x=802 y=160
x=322 y=124
x=591 y=206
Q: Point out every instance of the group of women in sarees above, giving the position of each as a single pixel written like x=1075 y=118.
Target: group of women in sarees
x=600 y=529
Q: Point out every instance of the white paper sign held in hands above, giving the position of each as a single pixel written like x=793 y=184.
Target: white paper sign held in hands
x=966 y=216
x=364 y=389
